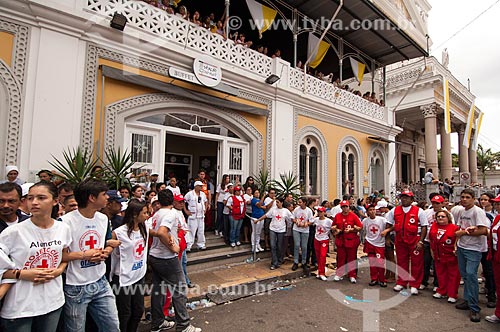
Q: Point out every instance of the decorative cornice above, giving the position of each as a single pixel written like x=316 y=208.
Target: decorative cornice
x=21 y=42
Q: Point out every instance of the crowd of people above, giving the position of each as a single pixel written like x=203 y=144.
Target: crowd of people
x=87 y=248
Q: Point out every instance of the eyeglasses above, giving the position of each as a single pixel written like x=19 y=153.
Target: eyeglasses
x=442 y=216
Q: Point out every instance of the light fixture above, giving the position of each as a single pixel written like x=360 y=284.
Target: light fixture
x=271 y=79
x=118 y=21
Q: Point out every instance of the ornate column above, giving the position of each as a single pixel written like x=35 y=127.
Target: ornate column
x=473 y=165
x=446 y=161
x=431 y=159
x=463 y=153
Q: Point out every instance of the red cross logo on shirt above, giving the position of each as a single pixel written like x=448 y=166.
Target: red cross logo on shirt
x=301 y=218
x=374 y=229
x=320 y=230
x=278 y=217
x=91 y=242
x=44 y=264
x=139 y=249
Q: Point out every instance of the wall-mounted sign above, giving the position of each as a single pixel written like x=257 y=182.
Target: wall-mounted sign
x=207 y=72
x=182 y=75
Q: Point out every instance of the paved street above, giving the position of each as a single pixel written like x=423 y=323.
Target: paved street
x=307 y=306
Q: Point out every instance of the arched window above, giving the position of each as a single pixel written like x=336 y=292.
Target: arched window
x=309 y=166
x=377 y=167
x=349 y=168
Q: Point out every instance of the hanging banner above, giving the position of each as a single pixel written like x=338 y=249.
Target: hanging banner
x=312 y=41
x=447 y=112
x=358 y=69
x=262 y=16
x=470 y=124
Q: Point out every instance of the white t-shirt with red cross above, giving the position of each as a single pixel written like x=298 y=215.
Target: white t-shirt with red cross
x=303 y=216
x=28 y=247
x=128 y=261
x=166 y=217
x=86 y=234
x=278 y=219
x=323 y=227
x=373 y=228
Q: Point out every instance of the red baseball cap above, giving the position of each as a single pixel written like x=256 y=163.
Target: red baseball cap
x=237 y=188
x=437 y=199
x=344 y=203
x=178 y=198
x=496 y=199
x=322 y=209
x=406 y=193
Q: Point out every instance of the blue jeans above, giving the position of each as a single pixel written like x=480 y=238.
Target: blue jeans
x=219 y=223
x=300 y=241
x=184 y=261
x=234 y=236
x=98 y=299
x=468 y=264
x=276 y=247
x=42 y=323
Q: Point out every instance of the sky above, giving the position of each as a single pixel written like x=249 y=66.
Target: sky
x=474 y=54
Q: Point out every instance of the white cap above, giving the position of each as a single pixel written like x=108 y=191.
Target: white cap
x=198 y=183
x=381 y=204
x=26 y=188
x=155 y=173
x=11 y=168
x=154 y=199
x=124 y=206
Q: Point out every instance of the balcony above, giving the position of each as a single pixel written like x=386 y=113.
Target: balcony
x=187 y=35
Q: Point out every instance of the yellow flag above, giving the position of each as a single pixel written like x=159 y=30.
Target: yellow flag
x=479 y=121
x=320 y=53
x=358 y=69
x=447 y=111
x=470 y=124
x=262 y=16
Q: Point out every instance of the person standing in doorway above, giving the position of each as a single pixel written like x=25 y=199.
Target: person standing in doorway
x=197 y=204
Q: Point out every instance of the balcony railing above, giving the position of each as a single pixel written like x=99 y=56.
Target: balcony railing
x=186 y=34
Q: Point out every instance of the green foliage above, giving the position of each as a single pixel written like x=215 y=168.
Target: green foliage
x=262 y=180
x=486 y=160
x=287 y=184
x=76 y=165
x=116 y=167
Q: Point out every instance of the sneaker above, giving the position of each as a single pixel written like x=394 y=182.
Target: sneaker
x=238 y=243
x=462 y=305
x=233 y=244
x=398 y=288
x=216 y=233
x=434 y=289
x=259 y=248
x=272 y=267
x=413 y=291
x=352 y=280
x=492 y=319
x=337 y=278
x=475 y=317
x=461 y=281
x=452 y=300
x=373 y=283
x=202 y=248
x=422 y=287
x=191 y=328
x=438 y=296
x=166 y=325
x=323 y=278
x=383 y=284
x=295 y=266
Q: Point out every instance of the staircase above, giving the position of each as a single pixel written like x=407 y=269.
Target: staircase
x=219 y=254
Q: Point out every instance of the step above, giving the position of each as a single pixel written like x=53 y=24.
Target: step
x=209 y=260
x=216 y=249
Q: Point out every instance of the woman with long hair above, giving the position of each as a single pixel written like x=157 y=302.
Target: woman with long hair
x=35 y=248
x=128 y=265
x=219 y=198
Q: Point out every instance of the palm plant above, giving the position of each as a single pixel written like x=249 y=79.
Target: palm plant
x=262 y=180
x=116 y=167
x=486 y=160
x=287 y=184
x=76 y=166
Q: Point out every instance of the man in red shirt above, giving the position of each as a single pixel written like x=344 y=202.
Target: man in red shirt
x=345 y=227
x=410 y=225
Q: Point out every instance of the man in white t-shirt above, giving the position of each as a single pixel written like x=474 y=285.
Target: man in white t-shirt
x=471 y=244
x=375 y=230
x=86 y=287
x=197 y=204
x=167 y=270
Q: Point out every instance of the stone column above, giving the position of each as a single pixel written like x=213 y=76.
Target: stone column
x=446 y=161
x=431 y=158
x=463 y=153
x=473 y=165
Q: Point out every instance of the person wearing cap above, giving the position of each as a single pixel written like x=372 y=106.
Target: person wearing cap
x=12 y=173
x=25 y=187
x=302 y=217
x=381 y=208
x=10 y=202
x=321 y=240
x=197 y=204
x=472 y=242
x=437 y=202
x=346 y=226
x=376 y=232
x=183 y=234
x=443 y=240
x=114 y=207
x=495 y=258
x=153 y=180
x=237 y=206
x=206 y=188
x=407 y=220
